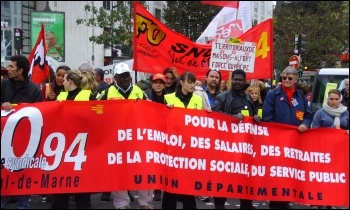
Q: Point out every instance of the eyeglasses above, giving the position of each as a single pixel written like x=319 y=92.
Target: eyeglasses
x=289 y=78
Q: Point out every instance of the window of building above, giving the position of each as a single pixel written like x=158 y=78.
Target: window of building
x=25 y=11
x=262 y=12
x=107 y=5
x=15 y=10
x=158 y=13
x=5 y=4
x=256 y=8
x=157 y=3
x=31 y=4
x=262 y=9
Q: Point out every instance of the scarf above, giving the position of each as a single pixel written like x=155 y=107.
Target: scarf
x=336 y=113
x=184 y=98
x=289 y=93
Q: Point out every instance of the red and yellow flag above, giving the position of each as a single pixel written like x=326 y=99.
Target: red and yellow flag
x=157 y=47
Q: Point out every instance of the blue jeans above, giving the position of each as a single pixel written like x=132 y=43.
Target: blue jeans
x=22 y=203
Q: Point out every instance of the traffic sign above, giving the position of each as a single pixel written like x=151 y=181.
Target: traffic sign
x=294 y=61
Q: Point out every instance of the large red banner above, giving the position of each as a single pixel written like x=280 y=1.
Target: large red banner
x=99 y=146
x=157 y=47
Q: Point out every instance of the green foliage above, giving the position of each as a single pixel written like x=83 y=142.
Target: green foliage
x=189 y=18
x=325 y=24
x=116 y=24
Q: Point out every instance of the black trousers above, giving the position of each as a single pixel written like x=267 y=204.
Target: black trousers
x=279 y=204
x=220 y=201
x=170 y=199
x=61 y=201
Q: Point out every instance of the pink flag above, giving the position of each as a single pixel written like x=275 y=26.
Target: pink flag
x=229 y=22
x=233 y=4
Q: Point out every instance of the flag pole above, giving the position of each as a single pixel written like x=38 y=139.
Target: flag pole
x=234 y=29
x=47 y=85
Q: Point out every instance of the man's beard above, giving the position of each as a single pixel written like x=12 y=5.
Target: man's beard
x=213 y=85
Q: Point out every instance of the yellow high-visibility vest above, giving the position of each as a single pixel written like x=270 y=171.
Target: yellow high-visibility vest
x=113 y=93
x=195 y=102
x=83 y=95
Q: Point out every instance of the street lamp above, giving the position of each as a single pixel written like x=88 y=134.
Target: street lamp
x=113 y=50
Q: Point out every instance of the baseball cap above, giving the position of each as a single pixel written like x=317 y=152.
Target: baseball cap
x=121 y=68
x=158 y=76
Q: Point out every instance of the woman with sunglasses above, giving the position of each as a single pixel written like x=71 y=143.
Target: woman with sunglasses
x=288 y=105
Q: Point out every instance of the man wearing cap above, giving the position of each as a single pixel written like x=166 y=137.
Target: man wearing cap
x=124 y=89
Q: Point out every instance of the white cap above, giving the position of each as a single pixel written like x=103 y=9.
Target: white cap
x=121 y=68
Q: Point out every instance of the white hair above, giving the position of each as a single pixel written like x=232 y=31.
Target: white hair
x=86 y=66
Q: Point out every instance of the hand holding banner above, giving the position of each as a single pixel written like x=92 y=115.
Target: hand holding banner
x=198 y=153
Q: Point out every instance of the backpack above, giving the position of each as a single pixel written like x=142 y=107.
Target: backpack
x=145 y=86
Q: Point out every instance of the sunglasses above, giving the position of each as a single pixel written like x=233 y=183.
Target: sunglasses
x=289 y=78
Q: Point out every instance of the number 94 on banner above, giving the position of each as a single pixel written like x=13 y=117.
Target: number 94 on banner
x=30 y=156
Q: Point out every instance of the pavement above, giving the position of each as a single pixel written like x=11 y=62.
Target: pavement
x=38 y=202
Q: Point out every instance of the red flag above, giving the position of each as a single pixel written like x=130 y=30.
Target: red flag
x=233 y=4
x=262 y=35
x=39 y=68
x=157 y=47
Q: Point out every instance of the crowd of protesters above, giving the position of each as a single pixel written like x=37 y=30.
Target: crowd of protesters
x=237 y=97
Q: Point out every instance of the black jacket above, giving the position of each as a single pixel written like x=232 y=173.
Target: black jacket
x=226 y=102
x=20 y=92
x=154 y=97
x=345 y=100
